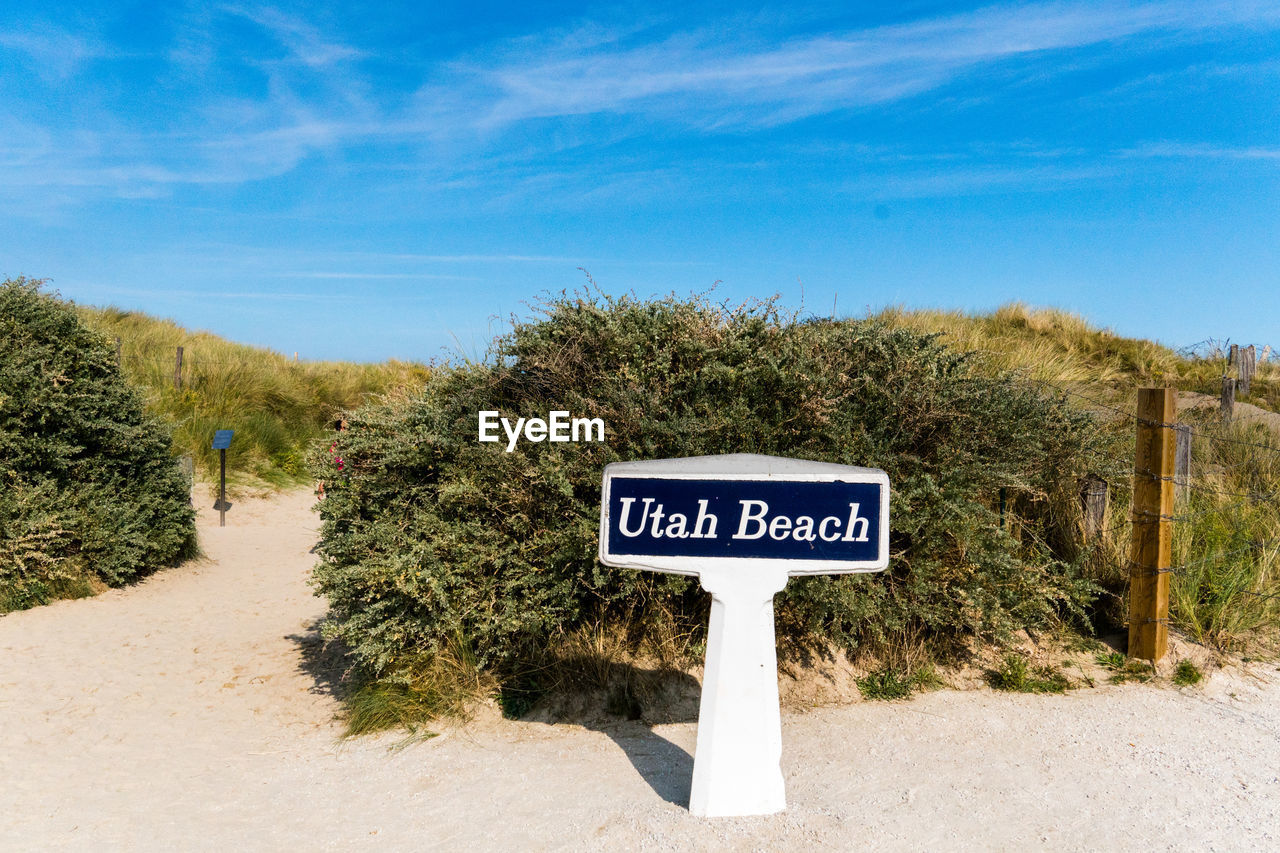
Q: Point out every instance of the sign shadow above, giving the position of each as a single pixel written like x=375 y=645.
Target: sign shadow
x=666 y=767
x=627 y=709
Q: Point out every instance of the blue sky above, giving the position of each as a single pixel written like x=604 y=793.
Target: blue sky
x=368 y=181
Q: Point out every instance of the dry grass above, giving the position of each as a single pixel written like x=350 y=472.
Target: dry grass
x=277 y=406
x=1049 y=345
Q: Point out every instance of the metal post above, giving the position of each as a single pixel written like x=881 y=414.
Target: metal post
x=222 y=491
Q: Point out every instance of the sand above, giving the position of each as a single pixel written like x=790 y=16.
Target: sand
x=186 y=713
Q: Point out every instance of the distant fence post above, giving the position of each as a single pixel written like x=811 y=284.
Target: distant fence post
x=1228 y=401
x=1182 y=463
x=1093 y=505
x=1151 y=550
x=1248 y=364
x=117 y=352
x=177 y=371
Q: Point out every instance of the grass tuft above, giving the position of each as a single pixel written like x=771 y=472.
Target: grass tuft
x=1124 y=669
x=890 y=682
x=444 y=685
x=886 y=684
x=1015 y=675
x=1187 y=674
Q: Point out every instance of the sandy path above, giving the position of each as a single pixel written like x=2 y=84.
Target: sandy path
x=178 y=714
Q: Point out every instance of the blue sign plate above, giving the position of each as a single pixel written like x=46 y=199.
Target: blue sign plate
x=679 y=515
x=222 y=439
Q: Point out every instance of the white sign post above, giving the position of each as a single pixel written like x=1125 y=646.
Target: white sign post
x=742 y=524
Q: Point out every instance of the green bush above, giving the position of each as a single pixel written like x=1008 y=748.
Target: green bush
x=431 y=538
x=89 y=493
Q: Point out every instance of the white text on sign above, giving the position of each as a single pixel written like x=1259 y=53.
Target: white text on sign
x=558 y=426
x=754 y=522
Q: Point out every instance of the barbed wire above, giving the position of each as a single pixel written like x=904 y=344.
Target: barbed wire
x=1094 y=401
x=1139 y=570
x=1226 y=440
x=1091 y=400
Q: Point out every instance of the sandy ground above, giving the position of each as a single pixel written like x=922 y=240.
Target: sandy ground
x=181 y=714
x=1242 y=413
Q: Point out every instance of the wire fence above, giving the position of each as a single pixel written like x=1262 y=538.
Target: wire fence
x=1226 y=521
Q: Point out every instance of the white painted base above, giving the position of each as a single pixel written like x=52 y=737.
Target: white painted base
x=737 y=764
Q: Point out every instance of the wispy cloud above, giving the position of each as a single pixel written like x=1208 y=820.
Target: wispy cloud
x=1200 y=151
x=97 y=292
x=713 y=78
x=53 y=52
x=978 y=179
x=305 y=42
x=375 y=276
x=493 y=119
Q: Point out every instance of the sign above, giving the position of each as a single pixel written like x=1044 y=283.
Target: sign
x=221 y=443
x=679 y=515
x=743 y=524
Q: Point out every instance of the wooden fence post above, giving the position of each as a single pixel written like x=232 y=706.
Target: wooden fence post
x=117 y=352
x=1152 y=547
x=177 y=371
x=1093 y=505
x=1228 y=401
x=1248 y=364
x=1182 y=463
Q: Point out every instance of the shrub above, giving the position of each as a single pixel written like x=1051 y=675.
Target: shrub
x=430 y=536
x=88 y=491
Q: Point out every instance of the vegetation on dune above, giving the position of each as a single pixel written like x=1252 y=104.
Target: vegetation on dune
x=1226 y=592
x=89 y=494
x=433 y=541
x=454 y=568
x=1049 y=345
x=277 y=406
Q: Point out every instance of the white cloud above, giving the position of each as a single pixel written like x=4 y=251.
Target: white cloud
x=704 y=76
x=54 y=52
x=1201 y=151
x=373 y=276
x=467 y=128
x=305 y=43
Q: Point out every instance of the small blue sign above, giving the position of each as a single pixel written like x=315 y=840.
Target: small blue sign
x=222 y=439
